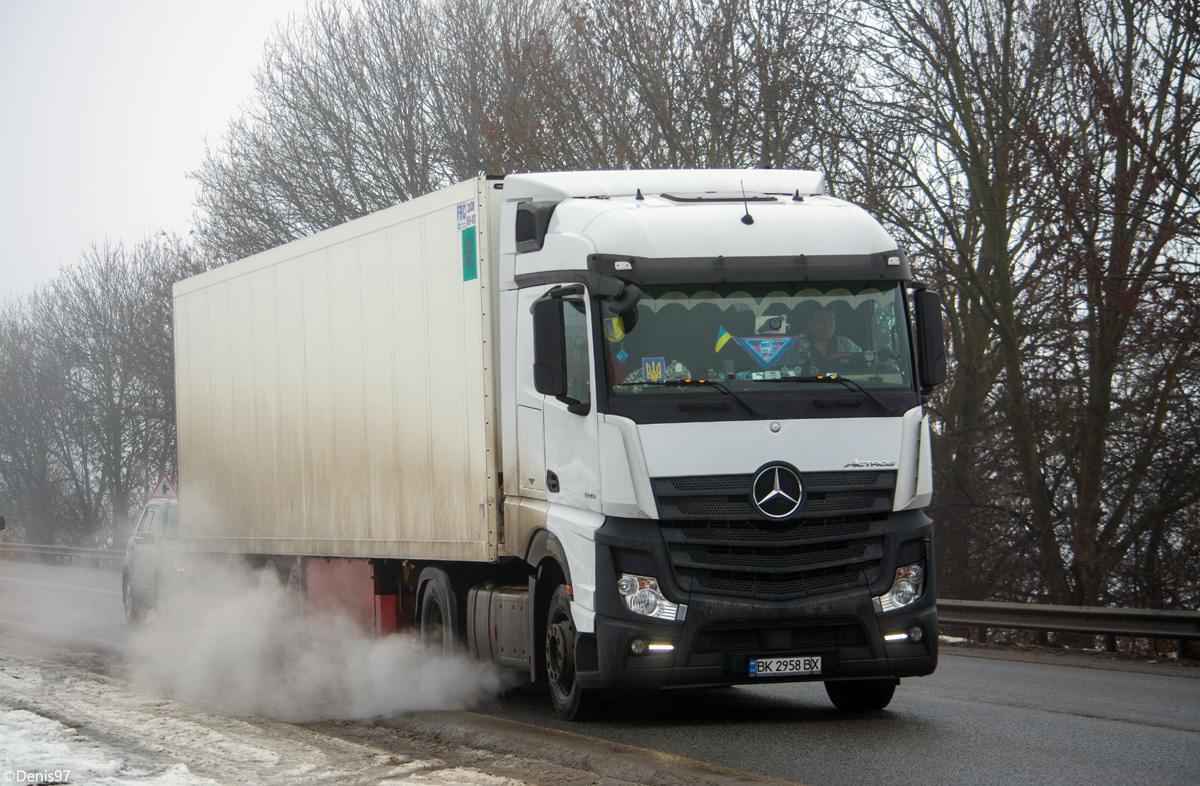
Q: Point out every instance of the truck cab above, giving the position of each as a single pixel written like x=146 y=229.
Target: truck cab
x=718 y=437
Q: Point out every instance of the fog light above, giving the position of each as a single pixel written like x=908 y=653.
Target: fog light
x=641 y=595
x=915 y=633
x=639 y=646
x=906 y=589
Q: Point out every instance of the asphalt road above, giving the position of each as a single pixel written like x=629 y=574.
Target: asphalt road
x=83 y=604
x=979 y=719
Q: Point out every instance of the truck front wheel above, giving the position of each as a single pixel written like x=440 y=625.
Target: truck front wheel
x=135 y=612
x=571 y=702
x=861 y=695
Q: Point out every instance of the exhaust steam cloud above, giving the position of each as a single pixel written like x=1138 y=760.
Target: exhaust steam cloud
x=236 y=643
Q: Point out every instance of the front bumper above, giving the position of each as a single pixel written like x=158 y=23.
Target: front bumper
x=715 y=642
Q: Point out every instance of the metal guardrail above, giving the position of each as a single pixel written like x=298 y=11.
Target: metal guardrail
x=1138 y=623
x=107 y=558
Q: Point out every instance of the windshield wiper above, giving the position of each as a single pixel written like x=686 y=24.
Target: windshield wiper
x=849 y=383
x=845 y=381
x=694 y=383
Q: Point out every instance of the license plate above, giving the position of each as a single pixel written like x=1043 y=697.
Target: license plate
x=781 y=667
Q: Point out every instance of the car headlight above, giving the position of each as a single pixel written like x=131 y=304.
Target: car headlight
x=906 y=589
x=642 y=596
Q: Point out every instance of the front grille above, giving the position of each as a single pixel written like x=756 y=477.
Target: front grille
x=729 y=496
x=720 y=545
x=765 y=588
x=768 y=558
x=757 y=560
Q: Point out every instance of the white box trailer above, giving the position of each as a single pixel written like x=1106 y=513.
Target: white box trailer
x=636 y=429
x=336 y=395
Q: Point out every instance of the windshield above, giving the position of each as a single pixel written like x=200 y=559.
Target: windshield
x=757 y=337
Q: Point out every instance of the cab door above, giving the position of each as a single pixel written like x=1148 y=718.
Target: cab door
x=570 y=422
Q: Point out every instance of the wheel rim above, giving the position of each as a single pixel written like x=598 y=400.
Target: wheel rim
x=560 y=654
x=127 y=599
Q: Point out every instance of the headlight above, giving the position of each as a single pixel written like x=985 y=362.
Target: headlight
x=642 y=596
x=909 y=583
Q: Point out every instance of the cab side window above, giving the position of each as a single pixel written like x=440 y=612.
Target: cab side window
x=575 y=331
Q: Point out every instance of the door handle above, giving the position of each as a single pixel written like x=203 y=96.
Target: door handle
x=551 y=482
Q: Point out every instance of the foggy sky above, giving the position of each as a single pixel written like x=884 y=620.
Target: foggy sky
x=106 y=105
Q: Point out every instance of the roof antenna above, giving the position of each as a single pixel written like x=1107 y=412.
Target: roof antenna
x=797 y=197
x=746 y=219
x=639 y=196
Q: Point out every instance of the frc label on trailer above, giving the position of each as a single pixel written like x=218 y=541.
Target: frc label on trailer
x=771 y=667
x=466 y=228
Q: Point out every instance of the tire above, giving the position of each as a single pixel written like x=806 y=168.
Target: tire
x=439 y=613
x=861 y=695
x=571 y=702
x=135 y=610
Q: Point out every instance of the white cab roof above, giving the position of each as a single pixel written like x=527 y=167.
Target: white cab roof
x=563 y=185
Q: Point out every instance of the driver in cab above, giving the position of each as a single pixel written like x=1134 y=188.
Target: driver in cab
x=823 y=342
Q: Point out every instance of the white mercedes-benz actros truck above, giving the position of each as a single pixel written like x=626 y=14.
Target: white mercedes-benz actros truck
x=620 y=430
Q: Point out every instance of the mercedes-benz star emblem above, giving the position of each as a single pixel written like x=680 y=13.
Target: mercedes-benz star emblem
x=777 y=491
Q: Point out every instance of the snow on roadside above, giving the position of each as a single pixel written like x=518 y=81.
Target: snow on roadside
x=55 y=717
x=34 y=749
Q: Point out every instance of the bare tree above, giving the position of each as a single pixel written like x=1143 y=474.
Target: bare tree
x=339 y=128
x=365 y=104
x=955 y=80
x=87 y=419
x=30 y=477
x=1035 y=192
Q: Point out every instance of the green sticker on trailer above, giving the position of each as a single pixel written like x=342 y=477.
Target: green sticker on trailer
x=470 y=256
x=466 y=227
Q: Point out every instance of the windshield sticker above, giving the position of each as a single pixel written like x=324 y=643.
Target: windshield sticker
x=766 y=351
x=653 y=369
x=614 y=329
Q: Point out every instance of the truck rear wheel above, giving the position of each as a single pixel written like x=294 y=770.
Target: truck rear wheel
x=571 y=702
x=439 y=612
x=861 y=695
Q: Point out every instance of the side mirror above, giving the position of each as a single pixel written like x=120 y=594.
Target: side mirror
x=549 y=347
x=144 y=538
x=533 y=222
x=931 y=364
